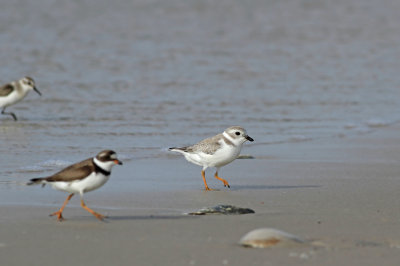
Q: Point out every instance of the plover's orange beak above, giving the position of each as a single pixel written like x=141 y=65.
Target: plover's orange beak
x=118 y=162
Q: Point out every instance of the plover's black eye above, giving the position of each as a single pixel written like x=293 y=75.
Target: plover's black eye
x=237 y=133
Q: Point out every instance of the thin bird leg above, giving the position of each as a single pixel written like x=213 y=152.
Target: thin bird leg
x=97 y=215
x=60 y=218
x=204 y=179
x=9 y=113
x=221 y=179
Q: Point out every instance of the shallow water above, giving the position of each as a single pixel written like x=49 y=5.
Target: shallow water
x=141 y=76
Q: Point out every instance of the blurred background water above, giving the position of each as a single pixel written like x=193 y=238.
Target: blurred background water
x=144 y=75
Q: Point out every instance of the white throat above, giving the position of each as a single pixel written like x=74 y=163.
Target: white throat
x=104 y=165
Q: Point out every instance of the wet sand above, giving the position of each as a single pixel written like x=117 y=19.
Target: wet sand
x=305 y=78
x=344 y=193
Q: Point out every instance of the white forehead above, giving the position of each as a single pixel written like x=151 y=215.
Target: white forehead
x=113 y=156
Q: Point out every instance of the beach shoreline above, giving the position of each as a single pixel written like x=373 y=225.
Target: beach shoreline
x=343 y=193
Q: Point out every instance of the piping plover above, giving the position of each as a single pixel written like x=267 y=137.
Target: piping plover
x=81 y=177
x=14 y=92
x=216 y=151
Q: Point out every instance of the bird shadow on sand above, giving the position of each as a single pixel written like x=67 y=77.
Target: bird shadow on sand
x=271 y=187
x=146 y=217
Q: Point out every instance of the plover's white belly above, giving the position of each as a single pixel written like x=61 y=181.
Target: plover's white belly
x=194 y=158
x=224 y=156
x=92 y=182
x=220 y=158
x=11 y=99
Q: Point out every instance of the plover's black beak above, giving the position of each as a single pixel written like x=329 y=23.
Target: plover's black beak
x=38 y=92
x=117 y=162
x=249 y=138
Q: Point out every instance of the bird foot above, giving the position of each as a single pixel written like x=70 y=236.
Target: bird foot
x=60 y=218
x=99 y=216
x=210 y=189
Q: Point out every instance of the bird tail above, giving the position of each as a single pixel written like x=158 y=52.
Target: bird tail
x=181 y=150
x=37 y=181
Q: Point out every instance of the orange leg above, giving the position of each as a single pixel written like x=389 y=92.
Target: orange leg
x=203 y=174
x=59 y=212
x=97 y=215
x=221 y=179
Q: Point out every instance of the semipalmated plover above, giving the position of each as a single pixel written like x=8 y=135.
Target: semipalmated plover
x=216 y=151
x=14 y=92
x=81 y=177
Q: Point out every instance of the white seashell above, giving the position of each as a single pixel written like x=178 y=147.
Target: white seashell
x=269 y=237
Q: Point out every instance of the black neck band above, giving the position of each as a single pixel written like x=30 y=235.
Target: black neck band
x=98 y=169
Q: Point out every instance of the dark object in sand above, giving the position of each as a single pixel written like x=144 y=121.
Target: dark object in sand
x=222 y=209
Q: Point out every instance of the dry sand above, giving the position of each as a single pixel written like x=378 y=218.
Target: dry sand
x=342 y=192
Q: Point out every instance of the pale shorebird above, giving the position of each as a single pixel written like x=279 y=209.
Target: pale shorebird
x=14 y=92
x=216 y=151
